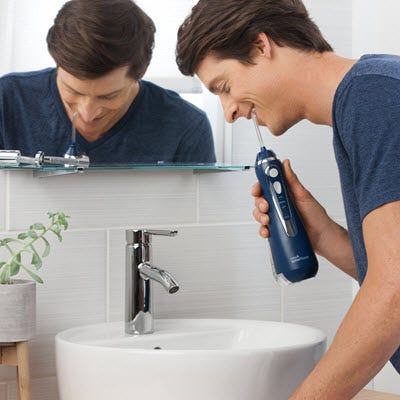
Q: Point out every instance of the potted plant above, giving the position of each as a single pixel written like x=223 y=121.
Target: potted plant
x=18 y=296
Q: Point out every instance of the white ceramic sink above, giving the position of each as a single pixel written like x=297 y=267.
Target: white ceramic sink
x=187 y=360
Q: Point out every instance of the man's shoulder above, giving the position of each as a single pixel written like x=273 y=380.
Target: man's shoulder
x=371 y=66
x=372 y=77
x=29 y=79
x=170 y=101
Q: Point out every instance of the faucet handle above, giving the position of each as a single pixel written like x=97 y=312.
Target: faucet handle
x=143 y=235
x=160 y=232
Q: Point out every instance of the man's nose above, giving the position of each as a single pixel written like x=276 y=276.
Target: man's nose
x=231 y=111
x=88 y=109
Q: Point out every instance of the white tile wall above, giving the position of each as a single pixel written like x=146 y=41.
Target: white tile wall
x=174 y=196
x=217 y=257
x=3 y=193
x=226 y=197
x=334 y=20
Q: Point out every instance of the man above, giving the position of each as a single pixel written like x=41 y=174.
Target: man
x=102 y=49
x=269 y=55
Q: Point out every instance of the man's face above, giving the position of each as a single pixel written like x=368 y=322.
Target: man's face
x=98 y=103
x=243 y=87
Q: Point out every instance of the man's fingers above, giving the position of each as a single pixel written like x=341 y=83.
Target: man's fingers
x=256 y=190
x=261 y=204
x=260 y=217
x=263 y=232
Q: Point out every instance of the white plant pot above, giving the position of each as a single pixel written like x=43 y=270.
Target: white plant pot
x=17 y=311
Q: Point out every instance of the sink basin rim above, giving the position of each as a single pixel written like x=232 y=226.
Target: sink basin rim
x=70 y=334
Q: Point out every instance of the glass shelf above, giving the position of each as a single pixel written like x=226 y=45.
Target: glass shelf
x=52 y=170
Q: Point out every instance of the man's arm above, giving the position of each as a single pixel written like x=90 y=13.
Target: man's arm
x=370 y=332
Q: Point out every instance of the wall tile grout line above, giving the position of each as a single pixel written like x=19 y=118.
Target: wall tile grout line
x=197 y=198
x=108 y=277
x=7 y=201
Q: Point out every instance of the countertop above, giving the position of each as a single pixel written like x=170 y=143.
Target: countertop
x=372 y=395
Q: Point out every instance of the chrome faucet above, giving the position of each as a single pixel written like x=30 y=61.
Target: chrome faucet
x=139 y=274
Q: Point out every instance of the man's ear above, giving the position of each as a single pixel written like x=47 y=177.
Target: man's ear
x=262 y=45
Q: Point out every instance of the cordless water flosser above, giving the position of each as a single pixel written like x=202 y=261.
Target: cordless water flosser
x=293 y=258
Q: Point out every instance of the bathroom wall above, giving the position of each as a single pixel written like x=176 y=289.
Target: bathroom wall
x=218 y=258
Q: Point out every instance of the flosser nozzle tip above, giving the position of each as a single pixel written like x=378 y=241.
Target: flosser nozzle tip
x=256 y=126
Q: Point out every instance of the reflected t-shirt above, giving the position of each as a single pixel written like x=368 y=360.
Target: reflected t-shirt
x=158 y=126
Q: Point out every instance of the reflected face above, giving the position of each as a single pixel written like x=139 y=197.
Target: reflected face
x=242 y=87
x=99 y=103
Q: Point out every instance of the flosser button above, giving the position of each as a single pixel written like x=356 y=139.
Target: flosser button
x=273 y=173
x=277 y=187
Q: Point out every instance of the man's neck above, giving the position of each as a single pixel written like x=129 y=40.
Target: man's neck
x=319 y=77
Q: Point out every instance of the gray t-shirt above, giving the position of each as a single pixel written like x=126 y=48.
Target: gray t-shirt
x=366 y=126
x=158 y=126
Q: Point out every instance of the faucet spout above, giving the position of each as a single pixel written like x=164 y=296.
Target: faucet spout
x=148 y=271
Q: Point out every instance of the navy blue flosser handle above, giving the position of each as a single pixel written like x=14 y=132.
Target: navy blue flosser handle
x=293 y=257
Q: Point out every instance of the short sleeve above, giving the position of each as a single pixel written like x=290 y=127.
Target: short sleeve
x=371 y=137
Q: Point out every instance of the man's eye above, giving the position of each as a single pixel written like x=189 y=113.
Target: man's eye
x=225 y=89
x=108 y=97
x=73 y=93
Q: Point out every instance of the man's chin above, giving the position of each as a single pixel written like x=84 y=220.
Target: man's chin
x=278 y=130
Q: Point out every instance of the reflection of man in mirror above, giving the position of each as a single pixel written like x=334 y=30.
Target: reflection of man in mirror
x=102 y=49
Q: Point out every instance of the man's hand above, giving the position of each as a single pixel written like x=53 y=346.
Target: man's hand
x=313 y=215
x=327 y=237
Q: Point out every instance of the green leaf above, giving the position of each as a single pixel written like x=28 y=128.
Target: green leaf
x=25 y=244
x=46 y=251
x=32 y=234
x=38 y=226
x=56 y=230
x=14 y=268
x=36 y=260
x=9 y=240
x=37 y=278
x=62 y=220
x=5 y=276
x=18 y=257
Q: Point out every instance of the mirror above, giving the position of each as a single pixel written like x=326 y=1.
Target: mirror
x=24 y=26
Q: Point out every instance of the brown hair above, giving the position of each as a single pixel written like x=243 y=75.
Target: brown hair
x=229 y=29
x=90 y=38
